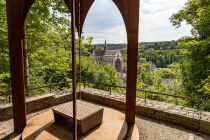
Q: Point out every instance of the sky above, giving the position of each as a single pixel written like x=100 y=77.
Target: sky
x=104 y=22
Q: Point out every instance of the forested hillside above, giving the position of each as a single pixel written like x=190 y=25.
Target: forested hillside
x=161 y=53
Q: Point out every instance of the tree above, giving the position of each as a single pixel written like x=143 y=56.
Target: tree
x=196 y=13
x=100 y=76
x=144 y=75
x=195 y=68
x=48 y=38
x=4 y=52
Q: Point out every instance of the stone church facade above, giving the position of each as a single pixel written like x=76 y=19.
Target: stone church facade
x=113 y=57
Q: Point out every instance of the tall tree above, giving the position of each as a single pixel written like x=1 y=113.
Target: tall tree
x=195 y=69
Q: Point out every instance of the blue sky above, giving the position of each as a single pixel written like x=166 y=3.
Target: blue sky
x=104 y=22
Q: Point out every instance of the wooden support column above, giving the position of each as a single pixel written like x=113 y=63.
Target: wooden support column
x=132 y=23
x=15 y=22
x=129 y=10
x=73 y=48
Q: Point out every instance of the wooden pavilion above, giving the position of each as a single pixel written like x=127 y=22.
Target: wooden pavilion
x=16 y=14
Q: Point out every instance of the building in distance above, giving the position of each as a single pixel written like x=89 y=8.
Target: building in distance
x=112 y=57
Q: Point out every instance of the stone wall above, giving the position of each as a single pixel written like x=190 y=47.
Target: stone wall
x=36 y=103
x=183 y=116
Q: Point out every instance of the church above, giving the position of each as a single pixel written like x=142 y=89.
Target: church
x=105 y=57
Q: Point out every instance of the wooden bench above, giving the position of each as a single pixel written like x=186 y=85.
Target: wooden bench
x=88 y=115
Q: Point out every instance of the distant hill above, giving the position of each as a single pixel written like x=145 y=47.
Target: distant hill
x=112 y=46
x=162 y=45
x=161 y=53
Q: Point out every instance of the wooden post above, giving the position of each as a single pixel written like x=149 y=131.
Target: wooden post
x=15 y=22
x=74 y=70
x=129 y=10
x=132 y=24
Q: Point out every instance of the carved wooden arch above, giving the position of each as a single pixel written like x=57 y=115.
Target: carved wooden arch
x=129 y=10
x=16 y=14
x=81 y=10
x=83 y=6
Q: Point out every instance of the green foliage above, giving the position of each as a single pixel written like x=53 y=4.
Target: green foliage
x=48 y=49
x=4 y=58
x=206 y=85
x=48 y=39
x=96 y=74
x=197 y=14
x=195 y=68
x=163 y=80
x=146 y=78
x=4 y=82
x=195 y=71
x=161 y=54
x=166 y=73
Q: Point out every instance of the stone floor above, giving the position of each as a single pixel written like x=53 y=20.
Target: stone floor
x=149 y=129
x=112 y=128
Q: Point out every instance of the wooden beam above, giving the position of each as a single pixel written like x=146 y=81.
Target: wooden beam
x=15 y=23
x=81 y=10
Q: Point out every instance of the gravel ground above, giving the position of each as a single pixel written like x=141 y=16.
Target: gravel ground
x=6 y=127
x=149 y=129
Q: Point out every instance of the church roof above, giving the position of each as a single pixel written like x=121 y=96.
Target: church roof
x=106 y=53
x=99 y=53
x=111 y=52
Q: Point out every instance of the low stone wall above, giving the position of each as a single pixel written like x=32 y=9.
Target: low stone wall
x=183 y=116
x=36 y=103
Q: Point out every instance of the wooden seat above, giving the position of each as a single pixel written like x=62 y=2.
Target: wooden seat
x=88 y=115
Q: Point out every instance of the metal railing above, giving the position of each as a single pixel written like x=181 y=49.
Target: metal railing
x=7 y=97
x=145 y=94
x=49 y=87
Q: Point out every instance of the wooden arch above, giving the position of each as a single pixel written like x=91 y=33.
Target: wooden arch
x=16 y=14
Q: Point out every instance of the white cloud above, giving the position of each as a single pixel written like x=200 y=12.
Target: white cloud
x=105 y=22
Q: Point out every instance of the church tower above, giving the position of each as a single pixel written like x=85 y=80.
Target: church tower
x=105 y=46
